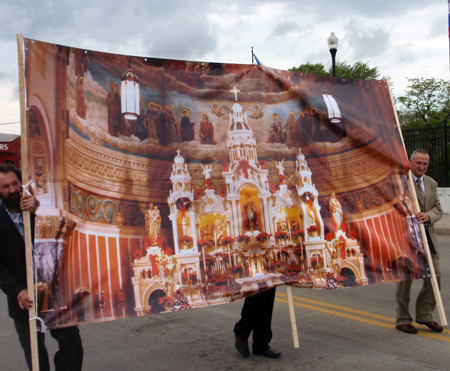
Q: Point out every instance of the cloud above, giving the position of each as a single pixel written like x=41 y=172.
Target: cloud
x=10 y=78
x=366 y=42
x=331 y=10
x=283 y=28
x=192 y=39
x=397 y=36
x=12 y=19
x=438 y=27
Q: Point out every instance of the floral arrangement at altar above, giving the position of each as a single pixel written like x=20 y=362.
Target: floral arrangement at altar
x=316 y=262
x=137 y=254
x=333 y=282
x=226 y=240
x=297 y=233
x=243 y=238
x=281 y=235
x=186 y=240
x=205 y=243
x=263 y=236
x=176 y=303
x=190 y=278
x=219 y=279
x=209 y=260
x=313 y=229
x=353 y=235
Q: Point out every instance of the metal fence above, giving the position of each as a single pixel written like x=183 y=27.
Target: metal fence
x=436 y=142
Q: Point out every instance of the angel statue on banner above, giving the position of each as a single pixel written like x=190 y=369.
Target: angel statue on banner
x=336 y=211
x=207 y=170
x=152 y=222
x=279 y=165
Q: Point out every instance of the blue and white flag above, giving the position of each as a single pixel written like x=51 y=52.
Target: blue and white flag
x=258 y=62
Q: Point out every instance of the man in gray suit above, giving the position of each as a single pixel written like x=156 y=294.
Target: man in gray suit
x=430 y=213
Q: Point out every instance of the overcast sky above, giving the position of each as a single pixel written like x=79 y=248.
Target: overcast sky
x=402 y=38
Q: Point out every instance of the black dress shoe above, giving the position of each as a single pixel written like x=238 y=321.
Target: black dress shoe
x=433 y=325
x=267 y=352
x=242 y=347
x=408 y=328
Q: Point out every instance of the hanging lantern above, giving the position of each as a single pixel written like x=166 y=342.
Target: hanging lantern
x=334 y=113
x=129 y=89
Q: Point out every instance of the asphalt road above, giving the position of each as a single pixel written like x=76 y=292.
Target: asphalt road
x=348 y=329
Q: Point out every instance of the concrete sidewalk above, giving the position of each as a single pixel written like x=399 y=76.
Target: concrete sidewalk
x=442 y=227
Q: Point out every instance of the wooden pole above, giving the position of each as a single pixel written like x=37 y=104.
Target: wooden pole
x=434 y=283
x=292 y=316
x=26 y=214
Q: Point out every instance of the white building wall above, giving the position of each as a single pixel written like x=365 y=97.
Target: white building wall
x=444 y=198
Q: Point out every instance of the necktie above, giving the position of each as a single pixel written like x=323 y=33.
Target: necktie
x=420 y=194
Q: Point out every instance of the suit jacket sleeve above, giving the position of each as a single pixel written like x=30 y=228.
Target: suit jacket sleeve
x=12 y=255
x=8 y=283
x=434 y=210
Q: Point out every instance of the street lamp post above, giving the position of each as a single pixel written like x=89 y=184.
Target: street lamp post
x=332 y=45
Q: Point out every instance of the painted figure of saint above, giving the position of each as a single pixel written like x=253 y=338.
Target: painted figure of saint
x=291 y=131
x=206 y=131
x=186 y=127
x=276 y=134
x=151 y=119
x=113 y=107
x=172 y=132
x=251 y=213
x=80 y=100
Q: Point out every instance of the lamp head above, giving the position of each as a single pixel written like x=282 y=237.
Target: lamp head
x=332 y=41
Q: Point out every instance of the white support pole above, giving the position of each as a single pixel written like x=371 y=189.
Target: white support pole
x=292 y=316
x=32 y=313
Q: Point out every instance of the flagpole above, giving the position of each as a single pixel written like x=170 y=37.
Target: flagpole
x=434 y=283
x=26 y=214
x=253 y=56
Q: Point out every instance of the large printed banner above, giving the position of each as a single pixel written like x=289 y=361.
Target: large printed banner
x=166 y=184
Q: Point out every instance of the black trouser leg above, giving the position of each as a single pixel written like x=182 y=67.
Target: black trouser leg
x=69 y=357
x=262 y=332
x=23 y=331
x=256 y=316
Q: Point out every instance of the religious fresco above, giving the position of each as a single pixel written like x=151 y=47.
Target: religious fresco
x=188 y=184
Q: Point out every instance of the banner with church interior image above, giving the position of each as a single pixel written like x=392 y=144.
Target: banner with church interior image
x=168 y=184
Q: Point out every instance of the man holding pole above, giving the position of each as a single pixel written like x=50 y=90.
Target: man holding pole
x=13 y=280
x=430 y=213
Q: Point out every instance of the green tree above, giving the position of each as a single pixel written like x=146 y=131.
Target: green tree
x=358 y=70
x=426 y=103
x=310 y=68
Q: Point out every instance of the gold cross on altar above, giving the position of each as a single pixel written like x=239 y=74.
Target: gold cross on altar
x=235 y=91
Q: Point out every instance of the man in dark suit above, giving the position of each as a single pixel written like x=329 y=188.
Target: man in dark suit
x=256 y=316
x=430 y=213
x=13 y=280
